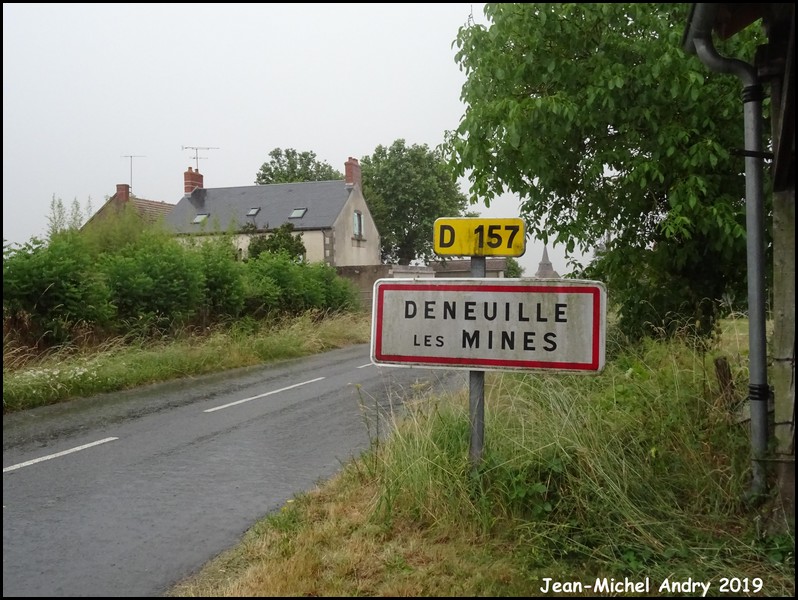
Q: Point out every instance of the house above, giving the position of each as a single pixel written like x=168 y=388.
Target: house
x=331 y=216
x=151 y=211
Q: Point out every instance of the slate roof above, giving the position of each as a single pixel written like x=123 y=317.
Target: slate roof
x=323 y=200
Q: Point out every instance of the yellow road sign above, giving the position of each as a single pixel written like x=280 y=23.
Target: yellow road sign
x=464 y=236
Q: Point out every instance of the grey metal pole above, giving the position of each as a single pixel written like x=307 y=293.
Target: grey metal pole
x=476 y=391
x=758 y=389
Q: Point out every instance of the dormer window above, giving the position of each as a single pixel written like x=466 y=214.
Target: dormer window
x=253 y=211
x=200 y=218
x=298 y=213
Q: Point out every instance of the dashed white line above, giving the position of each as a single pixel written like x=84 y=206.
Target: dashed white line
x=262 y=395
x=366 y=365
x=27 y=463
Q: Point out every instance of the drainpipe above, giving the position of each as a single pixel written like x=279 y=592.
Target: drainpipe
x=699 y=41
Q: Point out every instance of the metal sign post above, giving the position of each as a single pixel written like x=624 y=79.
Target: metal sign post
x=480 y=323
x=476 y=391
x=477 y=238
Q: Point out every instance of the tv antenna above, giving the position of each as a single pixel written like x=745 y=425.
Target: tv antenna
x=131 y=157
x=196 y=150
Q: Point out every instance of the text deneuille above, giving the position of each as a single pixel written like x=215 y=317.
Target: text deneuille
x=470 y=310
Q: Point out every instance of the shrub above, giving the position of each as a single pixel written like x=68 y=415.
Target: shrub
x=53 y=287
x=287 y=274
x=224 y=280
x=155 y=283
x=338 y=293
x=261 y=291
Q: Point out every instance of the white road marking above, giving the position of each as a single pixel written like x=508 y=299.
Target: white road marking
x=368 y=365
x=262 y=395
x=27 y=463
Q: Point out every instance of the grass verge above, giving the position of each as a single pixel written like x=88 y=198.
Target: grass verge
x=632 y=477
x=119 y=364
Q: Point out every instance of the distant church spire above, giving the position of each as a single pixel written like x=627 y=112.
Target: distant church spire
x=545 y=270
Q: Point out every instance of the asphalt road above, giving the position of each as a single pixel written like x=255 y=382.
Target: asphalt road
x=126 y=494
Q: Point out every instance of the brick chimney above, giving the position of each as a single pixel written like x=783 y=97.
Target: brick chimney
x=192 y=180
x=122 y=192
x=352 y=167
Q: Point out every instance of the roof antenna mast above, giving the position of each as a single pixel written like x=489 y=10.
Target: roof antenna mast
x=131 y=157
x=196 y=150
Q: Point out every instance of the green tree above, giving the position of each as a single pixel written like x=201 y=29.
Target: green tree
x=513 y=268
x=59 y=220
x=608 y=131
x=407 y=188
x=282 y=239
x=56 y=220
x=288 y=166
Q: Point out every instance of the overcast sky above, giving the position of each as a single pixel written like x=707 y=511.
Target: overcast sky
x=87 y=86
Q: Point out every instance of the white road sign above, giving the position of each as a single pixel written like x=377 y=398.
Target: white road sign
x=490 y=323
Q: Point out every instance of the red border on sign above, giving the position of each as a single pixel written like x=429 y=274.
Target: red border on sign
x=594 y=292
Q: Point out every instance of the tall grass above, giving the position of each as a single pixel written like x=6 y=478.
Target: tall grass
x=626 y=470
x=639 y=471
